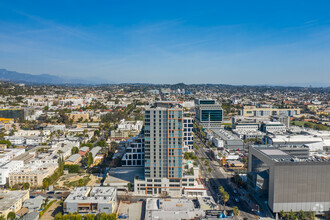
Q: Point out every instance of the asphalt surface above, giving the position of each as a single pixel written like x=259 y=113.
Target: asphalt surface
x=217 y=179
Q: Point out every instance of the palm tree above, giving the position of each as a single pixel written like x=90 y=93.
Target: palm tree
x=282 y=214
x=225 y=197
x=291 y=215
x=221 y=190
x=235 y=211
x=301 y=214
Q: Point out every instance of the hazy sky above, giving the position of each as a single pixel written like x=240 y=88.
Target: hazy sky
x=234 y=42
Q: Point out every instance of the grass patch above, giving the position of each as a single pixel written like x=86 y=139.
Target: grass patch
x=81 y=182
x=47 y=207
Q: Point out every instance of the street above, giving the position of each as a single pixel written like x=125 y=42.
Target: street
x=218 y=178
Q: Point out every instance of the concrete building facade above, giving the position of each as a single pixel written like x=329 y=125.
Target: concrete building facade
x=84 y=200
x=284 y=182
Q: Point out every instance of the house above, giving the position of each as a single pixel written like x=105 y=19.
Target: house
x=83 y=151
x=73 y=159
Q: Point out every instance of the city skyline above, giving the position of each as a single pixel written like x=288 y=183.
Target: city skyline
x=264 y=43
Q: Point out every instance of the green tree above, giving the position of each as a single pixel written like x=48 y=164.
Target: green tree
x=301 y=214
x=74 y=150
x=72 y=168
x=26 y=186
x=97 y=133
x=45 y=183
x=11 y=216
x=90 y=159
x=102 y=143
x=291 y=215
x=81 y=182
x=282 y=214
x=236 y=212
x=310 y=215
x=129 y=186
x=59 y=216
x=113 y=145
x=221 y=190
x=225 y=197
x=8 y=143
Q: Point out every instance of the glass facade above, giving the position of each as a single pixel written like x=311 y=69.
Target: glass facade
x=213 y=115
x=207 y=102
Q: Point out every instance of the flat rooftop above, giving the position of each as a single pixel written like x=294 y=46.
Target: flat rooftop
x=127 y=173
x=171 y=209
x=95 y=194
x=132 y=211
x=8 y=198
x=276 y=154
x=279 y=155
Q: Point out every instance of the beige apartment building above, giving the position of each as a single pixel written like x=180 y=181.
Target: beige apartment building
x=32 y=176
x=251 y=111
x=12 y=201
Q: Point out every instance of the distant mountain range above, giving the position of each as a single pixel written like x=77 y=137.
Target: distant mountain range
x=16 y=77
x=26 y=78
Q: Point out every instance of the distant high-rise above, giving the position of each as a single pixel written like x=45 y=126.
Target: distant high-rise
x=209 y=113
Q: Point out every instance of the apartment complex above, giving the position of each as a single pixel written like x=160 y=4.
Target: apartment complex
x=164 y=171
x=32 y=174
x=134 y=155
x=163 y=148
x=5 y=169
x=188 y=137
x=12 y=201
x=209 y=113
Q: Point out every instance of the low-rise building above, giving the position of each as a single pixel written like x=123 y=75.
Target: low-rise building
x=273 y=127
x=8 y=154
x=32 y=174
x=5 y=169
x=172 y=209
x=266 y=112
x=34 y=204
x=12 y=201
x=222 y=138
x=73 y=159
x=83 y=151
x=94 y=200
